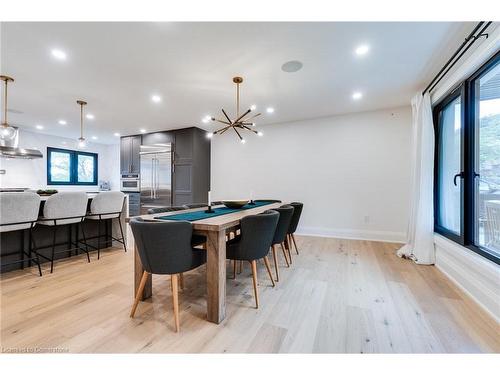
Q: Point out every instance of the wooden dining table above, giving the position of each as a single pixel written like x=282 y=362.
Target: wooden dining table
x=215 y=229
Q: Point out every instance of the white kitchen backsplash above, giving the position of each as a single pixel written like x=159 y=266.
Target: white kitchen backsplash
x=32 y=173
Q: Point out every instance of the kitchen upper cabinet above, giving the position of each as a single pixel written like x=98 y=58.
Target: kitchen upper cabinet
x=130 y=159
x=158 y=138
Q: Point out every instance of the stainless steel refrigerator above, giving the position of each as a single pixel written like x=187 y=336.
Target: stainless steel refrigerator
x=156 y=176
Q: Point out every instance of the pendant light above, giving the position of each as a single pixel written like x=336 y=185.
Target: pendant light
x=7 y=132
x=81 y=140
x=241 y=122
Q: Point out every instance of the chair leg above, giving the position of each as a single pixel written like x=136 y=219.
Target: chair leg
x=295 y=243
x=123 y=238
x=240 y=270
x=175 y=301
x=284 y=254
x=275 y=257
x=254 y=277
x=181 y=280
x=268 y=266
x=98 y=239
x=53 y=249
x=142 y=284
x=35 y=250
x=234 y=269
x=84 y=242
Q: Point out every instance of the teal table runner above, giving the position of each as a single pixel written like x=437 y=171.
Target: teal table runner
x=201 y=214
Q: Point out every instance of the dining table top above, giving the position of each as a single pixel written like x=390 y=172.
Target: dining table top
x=215 y=223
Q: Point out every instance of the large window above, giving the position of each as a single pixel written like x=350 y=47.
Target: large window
x=467 y=169
x=68 y=167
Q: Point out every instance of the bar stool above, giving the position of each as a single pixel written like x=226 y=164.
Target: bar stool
x=65 y=208
x=107 y=205
x=165 y=249
x=19 y=212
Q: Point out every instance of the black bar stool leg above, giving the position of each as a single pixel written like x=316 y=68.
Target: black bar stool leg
x=99 y=239
x=53 y=249
x=123 y=238
x=84 y=242
x=32 y=241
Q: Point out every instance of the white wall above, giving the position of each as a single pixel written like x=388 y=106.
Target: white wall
x=33 y=173
x=351 y=171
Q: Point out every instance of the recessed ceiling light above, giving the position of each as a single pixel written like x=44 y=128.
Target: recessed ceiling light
x=291 y=66
x=156 y=98
x=116 y=134
x=143 y=131
x=362 y=50
x=39 y=127
x=62 y=122
x=357 y=95
x=94 y=137
x=58 y=54
x=90 y=116
x=270 y=110
x=253 y=107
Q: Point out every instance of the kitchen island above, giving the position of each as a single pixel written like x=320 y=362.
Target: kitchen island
x=11 y=243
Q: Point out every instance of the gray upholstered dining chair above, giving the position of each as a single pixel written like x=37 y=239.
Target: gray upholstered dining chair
x=159 y=210
x=286 y=213
x=165 y=249
x=64 y=208
x=257 y=232
x=297 y=211
x=105 y=206
x=19 y=212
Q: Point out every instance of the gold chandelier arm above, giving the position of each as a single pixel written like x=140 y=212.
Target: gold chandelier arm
x=242 y=116
x=222 y=130
x=225 y=114
x=254 y=116
x=222 y=121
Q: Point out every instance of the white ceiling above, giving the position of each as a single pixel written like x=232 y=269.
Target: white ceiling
x=116 y=67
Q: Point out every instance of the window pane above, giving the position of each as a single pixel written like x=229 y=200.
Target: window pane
x=85 y=168
x=488 y=160
x=60 y=166
x=449 y=165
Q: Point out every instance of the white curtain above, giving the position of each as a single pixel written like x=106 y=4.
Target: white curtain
x=420 y=242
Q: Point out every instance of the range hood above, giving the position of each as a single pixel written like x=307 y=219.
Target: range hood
x=9 y=149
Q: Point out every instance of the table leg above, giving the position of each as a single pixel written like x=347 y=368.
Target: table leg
x=138 y=271
x=216 y=276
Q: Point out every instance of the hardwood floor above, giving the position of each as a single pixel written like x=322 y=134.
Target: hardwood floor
x=338 y=296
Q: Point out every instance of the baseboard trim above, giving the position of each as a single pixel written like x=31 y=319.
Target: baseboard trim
x=474 y=275
x=353 y=234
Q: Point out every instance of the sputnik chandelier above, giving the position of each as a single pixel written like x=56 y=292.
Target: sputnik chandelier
x=242 y=121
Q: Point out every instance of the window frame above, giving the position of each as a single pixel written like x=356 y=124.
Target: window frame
x=466 y=90
x=73 y=169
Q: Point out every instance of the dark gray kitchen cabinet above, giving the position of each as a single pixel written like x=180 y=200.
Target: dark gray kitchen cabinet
x=191 y=166
x=158 y=138
x=130 y=159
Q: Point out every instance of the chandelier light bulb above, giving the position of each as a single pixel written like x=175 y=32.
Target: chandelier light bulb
x=81 y=143
x=253 y=107
x=242 y=141
x=260 y=134
x=210 y=135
